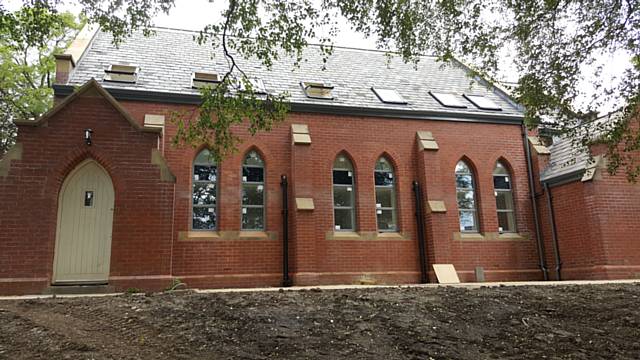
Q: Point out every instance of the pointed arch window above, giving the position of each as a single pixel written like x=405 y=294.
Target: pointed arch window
x=204 y=192
x=253 y=192
x=466 y=194
x=385 y=196
x=344 y=215
x=504 y=198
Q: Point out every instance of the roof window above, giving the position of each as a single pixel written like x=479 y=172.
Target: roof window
x=448 y=100
x=121 y=73
x=389 y=96
x=257 y=85
x=317 y=90
x=482 y=102
x=202 y=79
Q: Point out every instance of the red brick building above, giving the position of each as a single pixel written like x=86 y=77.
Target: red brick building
x=379 y=171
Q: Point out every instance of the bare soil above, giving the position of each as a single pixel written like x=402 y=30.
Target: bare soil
x=532 y=322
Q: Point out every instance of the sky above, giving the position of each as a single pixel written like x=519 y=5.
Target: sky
x=195 y=14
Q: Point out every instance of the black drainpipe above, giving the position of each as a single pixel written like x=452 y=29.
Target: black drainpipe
x=286 y=280
x=554 y=234
x=420 y=224
x=534 y=206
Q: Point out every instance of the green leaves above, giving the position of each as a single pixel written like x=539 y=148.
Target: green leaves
x=551 y=46
x=228 y=108
x=28 y=40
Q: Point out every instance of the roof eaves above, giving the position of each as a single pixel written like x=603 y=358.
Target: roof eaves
x=562 y=179
x=195 y=99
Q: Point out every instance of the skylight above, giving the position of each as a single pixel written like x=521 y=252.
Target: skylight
x=202 y=79
x=121 y=73
x=482 y=102
x=317 y=90
x=448 y=100
x=257 y=85
x=389 y=96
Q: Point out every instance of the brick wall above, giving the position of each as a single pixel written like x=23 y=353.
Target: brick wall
x=141 y=239
x=597 y=227
x=151 y=242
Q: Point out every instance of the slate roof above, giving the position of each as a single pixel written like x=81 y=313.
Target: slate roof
x=168 y=59
x=567 y=157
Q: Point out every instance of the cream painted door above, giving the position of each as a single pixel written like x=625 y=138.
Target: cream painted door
x=85 y=219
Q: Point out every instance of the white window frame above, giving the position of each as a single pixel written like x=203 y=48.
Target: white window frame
x=193 y=182
x=257 y=183
x=393 y=208
x=512 y=211
x=352 y=195
x=473 y=190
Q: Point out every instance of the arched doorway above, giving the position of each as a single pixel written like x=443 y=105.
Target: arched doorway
x=85 y=220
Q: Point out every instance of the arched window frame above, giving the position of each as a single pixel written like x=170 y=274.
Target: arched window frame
x=253 y=183
x=466 y=197
x=204 y=192
x=385 y=189
x=344 y=193
x=505 y=205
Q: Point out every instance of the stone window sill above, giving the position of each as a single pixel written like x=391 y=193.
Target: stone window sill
x=489 y=236
x=365 y=235
x=226 y=235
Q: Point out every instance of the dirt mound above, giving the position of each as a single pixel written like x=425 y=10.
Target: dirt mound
x=534 y=322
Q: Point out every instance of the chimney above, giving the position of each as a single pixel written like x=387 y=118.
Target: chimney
x=66 y=62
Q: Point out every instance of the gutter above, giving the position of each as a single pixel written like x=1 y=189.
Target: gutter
x=534 y=205
x=195 y=99
x=554 y=234
x=564 y=178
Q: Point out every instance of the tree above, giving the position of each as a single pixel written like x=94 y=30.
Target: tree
x=29 y=38
x=554 y=43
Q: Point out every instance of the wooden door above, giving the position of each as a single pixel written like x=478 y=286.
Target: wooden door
x=85 y=220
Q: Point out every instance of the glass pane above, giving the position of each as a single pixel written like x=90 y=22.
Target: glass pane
x=342 y=196
x=389 y=96
x=204 y=194
x=252 y=174
x=467 y=221
x=204 y=218
x=383 y=164
x=483 y=103
x=343 y=219
x=342 y=162
x=253 y=219
x=500 y=169
x=450 y=100
x=465 y=200
x=464 y=181
x=252 y=194
x=204 y=157
x=343 y=177
x=204 y=173
x=501 y=182
x=253 y=159
x=462 y=167
x=383 y=178
x=384 y=197
x=386 y=220
x=504 y=200
x=507 y=221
